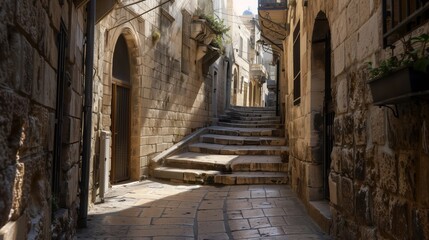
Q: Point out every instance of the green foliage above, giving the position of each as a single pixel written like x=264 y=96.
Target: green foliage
x=416 y=55
x=216 y=24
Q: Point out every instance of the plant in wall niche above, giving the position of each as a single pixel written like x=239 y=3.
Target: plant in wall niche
x=403 y=76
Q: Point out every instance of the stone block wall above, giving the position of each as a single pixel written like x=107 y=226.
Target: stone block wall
x=379 y=170
x=28 y=92
x=166 y=104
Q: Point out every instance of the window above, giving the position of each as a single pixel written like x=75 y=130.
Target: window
x=249 y=50
x=240 y=53
x=401 y=17
x=59 y=112
x=186 y=41
x=296 y=66
x=121 y=61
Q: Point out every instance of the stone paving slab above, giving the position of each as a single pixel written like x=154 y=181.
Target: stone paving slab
x=160 y=210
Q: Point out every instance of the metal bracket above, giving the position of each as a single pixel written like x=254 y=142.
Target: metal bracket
x=394 y=110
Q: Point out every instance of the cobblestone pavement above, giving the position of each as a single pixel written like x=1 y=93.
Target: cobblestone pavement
x=161 y=210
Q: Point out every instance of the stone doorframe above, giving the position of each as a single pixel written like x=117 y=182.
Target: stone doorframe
x=315 y=168
x=135 y=53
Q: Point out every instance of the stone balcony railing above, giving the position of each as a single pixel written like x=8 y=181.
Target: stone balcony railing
x=259 y=72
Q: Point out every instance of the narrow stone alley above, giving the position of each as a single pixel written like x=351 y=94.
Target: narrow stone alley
x=161 y=210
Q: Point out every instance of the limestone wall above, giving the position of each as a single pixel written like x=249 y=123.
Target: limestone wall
x=166 y=104
x=28 y=93
x=379 y=171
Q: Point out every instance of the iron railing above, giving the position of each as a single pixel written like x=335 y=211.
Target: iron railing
x=272 y=4
x=401 y=17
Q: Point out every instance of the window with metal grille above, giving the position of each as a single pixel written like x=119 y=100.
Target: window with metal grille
x=59 y=113
x=401 y=17
x=296 y=66
x=186 y=41
x=249 y=50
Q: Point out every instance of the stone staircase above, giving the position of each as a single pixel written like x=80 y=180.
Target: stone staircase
x=246 y=147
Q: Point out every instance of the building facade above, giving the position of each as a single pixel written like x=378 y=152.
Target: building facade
x=361 y=170
x=41 y=91
x=153 y=85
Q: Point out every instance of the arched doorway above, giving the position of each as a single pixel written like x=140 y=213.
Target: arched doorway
x=321 y=89
x=120 y=114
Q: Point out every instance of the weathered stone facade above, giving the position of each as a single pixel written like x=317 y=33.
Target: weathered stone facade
x=166 y=103
x=29 y=64
x=378 y=179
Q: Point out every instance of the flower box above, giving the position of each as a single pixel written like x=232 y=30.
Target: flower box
x=399 y=86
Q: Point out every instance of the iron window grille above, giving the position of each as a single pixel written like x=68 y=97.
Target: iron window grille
x=59 y=112
x=400 y=17
x=296 y=66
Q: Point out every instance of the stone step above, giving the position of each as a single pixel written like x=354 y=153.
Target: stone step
x=192 y=160
x=267 y=132
x=237 y=150
x=243 y=108
x=243 y=125
x=250 y=114
x=238 y=118
x=185 y=175
x=252 y=178
x=227 y=163
x=259 y=163
x=236 y=110
x=242 y=140
x=270 y=121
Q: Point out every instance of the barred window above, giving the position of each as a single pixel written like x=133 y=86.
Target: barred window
x=186 y=41
x=296 y=66
x=401 y=17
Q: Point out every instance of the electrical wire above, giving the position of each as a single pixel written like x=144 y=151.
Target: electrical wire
x=139 y=15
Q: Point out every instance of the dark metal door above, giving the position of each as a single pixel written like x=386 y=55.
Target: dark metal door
x=121 y=132
x=329 y=115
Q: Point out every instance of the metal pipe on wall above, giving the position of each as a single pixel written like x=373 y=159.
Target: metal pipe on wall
x=87 y=127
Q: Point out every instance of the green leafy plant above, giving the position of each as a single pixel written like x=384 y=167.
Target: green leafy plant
x=415 y=55
x=216 y=24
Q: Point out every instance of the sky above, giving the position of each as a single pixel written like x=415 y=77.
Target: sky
x=243 y=5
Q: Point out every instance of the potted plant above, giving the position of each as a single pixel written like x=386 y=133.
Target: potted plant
x=401 y=77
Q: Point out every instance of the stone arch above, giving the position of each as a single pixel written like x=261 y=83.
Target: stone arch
x=321 y=106
x=132 y=41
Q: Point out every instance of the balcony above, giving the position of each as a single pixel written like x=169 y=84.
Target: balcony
x=271 y=85
x=272 y=19
x=272 y=4
x=258 y=72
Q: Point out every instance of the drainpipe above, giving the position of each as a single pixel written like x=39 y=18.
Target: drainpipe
x=87 y=127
